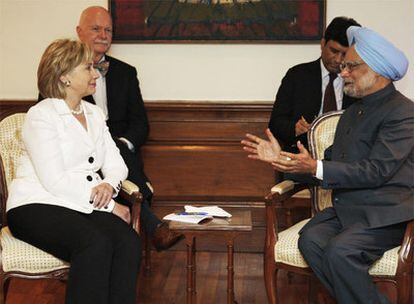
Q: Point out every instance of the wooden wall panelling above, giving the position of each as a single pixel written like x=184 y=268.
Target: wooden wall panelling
x=194 y=149
x=220 y=171
x=193 y=155
x=8 y=107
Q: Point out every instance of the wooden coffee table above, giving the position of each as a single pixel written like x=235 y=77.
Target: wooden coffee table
x=228 y=230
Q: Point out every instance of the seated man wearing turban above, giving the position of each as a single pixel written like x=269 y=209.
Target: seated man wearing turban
x=369 y=167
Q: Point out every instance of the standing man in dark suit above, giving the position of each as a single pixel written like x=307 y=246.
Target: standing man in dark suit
x=119 y=96
x=370 y=171
x=310 y=89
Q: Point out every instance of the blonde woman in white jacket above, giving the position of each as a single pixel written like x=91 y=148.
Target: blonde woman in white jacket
x=62 y=197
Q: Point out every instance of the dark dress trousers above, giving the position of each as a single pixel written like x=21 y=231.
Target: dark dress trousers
x=300 y=94
x=371 y=172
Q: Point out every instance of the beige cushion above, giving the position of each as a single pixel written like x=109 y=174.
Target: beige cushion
x=20 y=256
x=322 y=136
x=303 y=194
x=287 y=252
x=387 y=265
x=286 y=248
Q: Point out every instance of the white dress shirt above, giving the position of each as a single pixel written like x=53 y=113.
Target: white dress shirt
x=319 y=170
x=100 y=95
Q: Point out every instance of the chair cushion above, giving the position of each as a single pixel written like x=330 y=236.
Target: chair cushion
x=287 y=252
x=303 y=194
x=20 y=256
x=286 y=248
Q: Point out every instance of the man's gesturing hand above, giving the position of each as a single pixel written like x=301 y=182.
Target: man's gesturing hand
x=295 y=163
x=261 y=149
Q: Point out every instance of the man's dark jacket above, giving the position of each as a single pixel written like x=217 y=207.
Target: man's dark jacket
x=127 y=116
x=371 y=170
x=300 y=94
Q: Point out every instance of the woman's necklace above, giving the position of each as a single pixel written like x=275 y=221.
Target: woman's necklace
x=77 y=112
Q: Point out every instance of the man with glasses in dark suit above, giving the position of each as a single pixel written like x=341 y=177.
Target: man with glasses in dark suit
x=369 y=169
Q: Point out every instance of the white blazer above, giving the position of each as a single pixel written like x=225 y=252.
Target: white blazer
x=61 y=159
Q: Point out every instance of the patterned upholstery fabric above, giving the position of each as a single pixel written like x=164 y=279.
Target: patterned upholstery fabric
x=324 y=198
x=322 y=136
x=302 y=194
x=286 y=248
x=287 y=252
x=11 y=143
x=17 y=255
x=20 y=256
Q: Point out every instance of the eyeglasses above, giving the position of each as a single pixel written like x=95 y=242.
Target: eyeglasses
x=350 y=65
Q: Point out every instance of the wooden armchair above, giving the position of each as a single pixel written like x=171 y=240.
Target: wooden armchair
x=17 y=258
x=281 y=248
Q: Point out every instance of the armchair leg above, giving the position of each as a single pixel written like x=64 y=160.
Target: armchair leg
x=147 y=250
x=270 y=275
x=289 y=277
x=4 y=287
x=2 y=293
x=312 y=290
x=404 y=289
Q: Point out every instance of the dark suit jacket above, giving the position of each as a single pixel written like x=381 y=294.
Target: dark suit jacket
x=300 y=93
x=126 y=112
x=127 y=116
x=372 y=167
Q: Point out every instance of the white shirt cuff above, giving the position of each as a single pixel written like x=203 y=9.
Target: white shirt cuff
x=128 y=143
x=319 y=170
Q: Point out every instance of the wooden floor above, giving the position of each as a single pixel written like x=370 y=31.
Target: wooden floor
x=167 y=282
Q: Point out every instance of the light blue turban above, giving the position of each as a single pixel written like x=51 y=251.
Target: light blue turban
x=378 y=53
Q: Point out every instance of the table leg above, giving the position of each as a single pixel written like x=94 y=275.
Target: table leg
x=194 y=270
x=230 y=271
x=190 y=267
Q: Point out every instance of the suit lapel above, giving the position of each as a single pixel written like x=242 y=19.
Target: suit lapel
x=313 y=94
x=92 y=124
x=317 y=82
x=72 y=125
x=110 y=80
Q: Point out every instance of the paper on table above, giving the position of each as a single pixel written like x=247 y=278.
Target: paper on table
x=210 y=210
x=187 y=218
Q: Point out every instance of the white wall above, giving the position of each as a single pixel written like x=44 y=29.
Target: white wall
x=185 y=72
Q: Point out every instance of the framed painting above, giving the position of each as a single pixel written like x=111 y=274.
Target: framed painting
x=227 y=21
